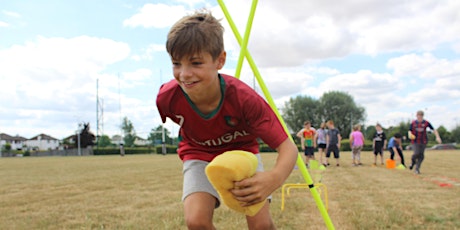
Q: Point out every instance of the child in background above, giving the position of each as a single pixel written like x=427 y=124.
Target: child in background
x=218 y=113
x=419 y=139
x=308 y=142
x=333 y=139
x=379 y=141
x=320 y=138
x=394 y=145
x=356 y=144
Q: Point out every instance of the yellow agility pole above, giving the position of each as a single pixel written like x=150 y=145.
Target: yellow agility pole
x=244 y=44
x=302 y=167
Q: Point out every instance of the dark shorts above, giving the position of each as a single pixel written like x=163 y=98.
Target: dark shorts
x=322 y=146
x=378 y=150
x=334 y=149
x=309 y=151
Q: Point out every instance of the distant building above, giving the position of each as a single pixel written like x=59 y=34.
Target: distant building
x=16 y=142
x=117 y=140
x=43 y=142
x=139 y=141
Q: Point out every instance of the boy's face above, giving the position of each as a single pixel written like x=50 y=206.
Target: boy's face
x=307 y=126
x=378 y=128
x=196 y=73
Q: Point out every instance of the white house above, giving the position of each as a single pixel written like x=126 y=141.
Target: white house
x=117 y=139
x=139 y=141
x=16 y=142
x=43 y=142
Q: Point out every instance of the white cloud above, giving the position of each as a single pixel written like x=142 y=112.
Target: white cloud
x=311 y=30
x=4 y=24
x=156 y=16
x=51 y=76
x=11 y=14
x=424 y=66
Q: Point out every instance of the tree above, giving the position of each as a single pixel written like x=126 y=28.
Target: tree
x=104 y=141
x=456 y=134
x=156 y=135
x=128 y=131
x=300 y=109
x=445 y=135
x=342 y=109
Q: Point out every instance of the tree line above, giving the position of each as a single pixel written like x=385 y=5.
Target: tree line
x=334 y=105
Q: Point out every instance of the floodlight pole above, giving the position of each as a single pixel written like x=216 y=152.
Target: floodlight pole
x=300 y=164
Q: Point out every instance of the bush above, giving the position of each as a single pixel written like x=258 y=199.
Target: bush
x=170 y=149
x=116 y=151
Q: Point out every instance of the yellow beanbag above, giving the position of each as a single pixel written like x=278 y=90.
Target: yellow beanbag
x=411 y=136
x=227 y=168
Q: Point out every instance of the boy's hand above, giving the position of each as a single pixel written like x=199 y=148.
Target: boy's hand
x=255 y=189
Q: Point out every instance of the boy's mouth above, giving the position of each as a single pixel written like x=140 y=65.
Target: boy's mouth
x=188 y=84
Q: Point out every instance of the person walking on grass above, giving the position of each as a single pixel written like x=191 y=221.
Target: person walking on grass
x=218 y=113
x=333 y=139
x=379 y=142
x=419 y=139
x=320 y=138
x=356 y=144
x=308 y=142
x=395 y=146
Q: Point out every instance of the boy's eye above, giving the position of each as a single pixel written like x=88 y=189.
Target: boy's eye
x=196 y=63
x=176 y=63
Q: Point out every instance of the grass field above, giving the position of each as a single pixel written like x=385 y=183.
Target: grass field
x=144 y=191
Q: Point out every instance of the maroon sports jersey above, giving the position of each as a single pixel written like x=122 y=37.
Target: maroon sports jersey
x=241 y=117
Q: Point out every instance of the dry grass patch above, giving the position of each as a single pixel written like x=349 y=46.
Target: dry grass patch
x=144 y=192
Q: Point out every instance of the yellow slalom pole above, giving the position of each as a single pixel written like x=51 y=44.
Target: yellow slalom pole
x=244 y=44
x=300 y=164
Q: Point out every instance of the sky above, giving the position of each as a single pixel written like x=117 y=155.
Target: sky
x=58 y=58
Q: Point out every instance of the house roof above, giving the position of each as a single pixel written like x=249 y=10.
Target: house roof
x=4 y=136
x=43 y=137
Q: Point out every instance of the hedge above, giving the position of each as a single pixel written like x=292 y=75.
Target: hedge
x=128 y=151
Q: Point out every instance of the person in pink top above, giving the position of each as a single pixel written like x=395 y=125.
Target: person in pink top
x=356 y=144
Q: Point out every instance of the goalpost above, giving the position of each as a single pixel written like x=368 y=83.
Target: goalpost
x=243 y=42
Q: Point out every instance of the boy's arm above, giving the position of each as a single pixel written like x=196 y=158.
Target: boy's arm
x=257 y=188
x=299 y=134
x=339 y=138
x=302 y=143
x=438 y=138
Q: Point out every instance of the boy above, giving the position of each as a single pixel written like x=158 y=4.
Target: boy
x=320 y=139
x=356 y=144
x=395 y=145
x=379 y=141
x=417 y=134
x=308 y=141
x=333 y=139
x=218 y=113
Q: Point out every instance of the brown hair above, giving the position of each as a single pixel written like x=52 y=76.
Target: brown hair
x=307 y=123
x=195 y=34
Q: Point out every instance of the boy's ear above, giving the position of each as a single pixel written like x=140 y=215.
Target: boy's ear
x=221 y=60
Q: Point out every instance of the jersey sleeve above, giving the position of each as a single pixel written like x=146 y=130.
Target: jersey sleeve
x=263 y=121
x=430 y=126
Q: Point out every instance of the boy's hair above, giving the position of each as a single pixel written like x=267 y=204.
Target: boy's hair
x=330 y=122
x=420 y=112
x=397 y=135
x=307 y=123
x=195 y=34
x=378 y=125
